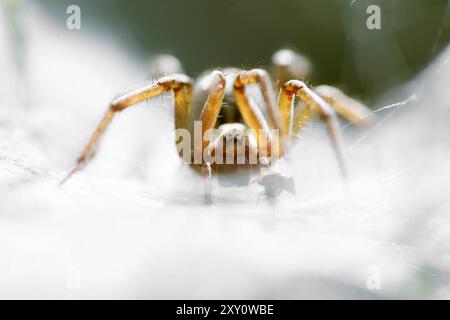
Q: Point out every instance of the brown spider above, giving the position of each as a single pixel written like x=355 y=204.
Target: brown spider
x=246 y=136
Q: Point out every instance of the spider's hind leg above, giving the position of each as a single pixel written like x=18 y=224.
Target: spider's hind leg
x=350 y=109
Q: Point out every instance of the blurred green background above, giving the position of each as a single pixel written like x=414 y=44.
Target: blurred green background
x=333 y=33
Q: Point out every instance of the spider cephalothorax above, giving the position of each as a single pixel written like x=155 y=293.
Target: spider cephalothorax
x=225 y=124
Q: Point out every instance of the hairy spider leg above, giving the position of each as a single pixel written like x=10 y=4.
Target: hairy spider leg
x=261 y=78
x=215 y=84
x=252 y=114
x=181 y=86
x=350 y=109
x=318 y=106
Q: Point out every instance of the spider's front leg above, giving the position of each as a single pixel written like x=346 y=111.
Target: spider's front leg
x=182 y=90
x=288 y=64
x=252 y=114
x=214 y=85
x=315 y=105
x=273 y=181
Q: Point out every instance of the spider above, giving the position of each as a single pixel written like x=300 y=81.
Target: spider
x=250 y=128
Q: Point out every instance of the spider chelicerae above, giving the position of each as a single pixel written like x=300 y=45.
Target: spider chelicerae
x=228 y=121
